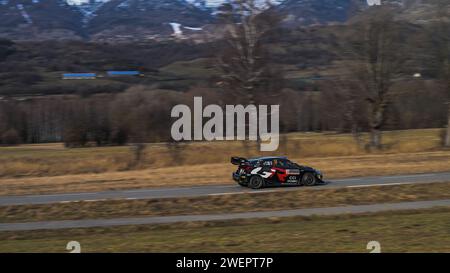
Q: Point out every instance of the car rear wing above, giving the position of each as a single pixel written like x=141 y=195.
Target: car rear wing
x=238 y=160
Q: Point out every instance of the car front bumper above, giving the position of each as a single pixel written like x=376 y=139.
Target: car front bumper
x=319 y=176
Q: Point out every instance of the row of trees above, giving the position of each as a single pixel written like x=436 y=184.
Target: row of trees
x=143 y=115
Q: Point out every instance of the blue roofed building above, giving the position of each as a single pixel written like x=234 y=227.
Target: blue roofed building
x=123 y=73
x=79 y=76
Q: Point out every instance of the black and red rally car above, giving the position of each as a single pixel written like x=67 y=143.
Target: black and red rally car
x=262 y=172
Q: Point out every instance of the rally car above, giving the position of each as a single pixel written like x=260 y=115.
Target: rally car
x=262 y=172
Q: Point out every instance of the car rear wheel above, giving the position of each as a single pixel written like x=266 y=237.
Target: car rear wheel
x=256 y=182
x=308 y=179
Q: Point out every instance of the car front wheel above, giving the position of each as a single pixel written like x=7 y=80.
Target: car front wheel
x=256 y=182
x=308 y=179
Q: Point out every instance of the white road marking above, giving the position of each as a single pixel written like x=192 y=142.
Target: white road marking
x=64 y=194
x=346 y=180
x=376 y=185
x=242 y=192
x=77 y=201
x=384 y=177
x=411 y=176
x=155 y=190
x=173 y=189
x=225 y=193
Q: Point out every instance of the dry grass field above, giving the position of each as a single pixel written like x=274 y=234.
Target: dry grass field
x=51 y=168
x=397 y=231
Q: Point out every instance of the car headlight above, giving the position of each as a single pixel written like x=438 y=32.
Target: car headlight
x=319 y=174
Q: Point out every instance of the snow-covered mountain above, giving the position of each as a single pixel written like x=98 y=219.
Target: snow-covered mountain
x=23 y=19
x=305 y=12
x=208 y=3
x=99 y=19
x=151 y=19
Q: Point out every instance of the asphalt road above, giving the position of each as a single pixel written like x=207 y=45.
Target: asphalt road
x=218 y=217
x=231 y=188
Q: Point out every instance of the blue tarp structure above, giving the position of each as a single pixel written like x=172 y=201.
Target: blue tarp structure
x=124 y=73
x=79 y=75
x=94 y=75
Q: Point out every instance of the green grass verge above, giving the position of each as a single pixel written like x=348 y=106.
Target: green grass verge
x=407 y=231
x=299 y=198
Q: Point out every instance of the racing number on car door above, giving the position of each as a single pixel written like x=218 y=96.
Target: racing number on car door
x=292 y=179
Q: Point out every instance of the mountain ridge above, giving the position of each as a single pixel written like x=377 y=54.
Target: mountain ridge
x=125 y=20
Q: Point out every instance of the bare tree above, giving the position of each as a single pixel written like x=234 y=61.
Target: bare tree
x=441 y=41
x=378 y=60
x=244 y=60
x=248 y=75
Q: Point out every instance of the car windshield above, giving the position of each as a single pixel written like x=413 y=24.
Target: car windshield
x=292 y=163
x=278 y=162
